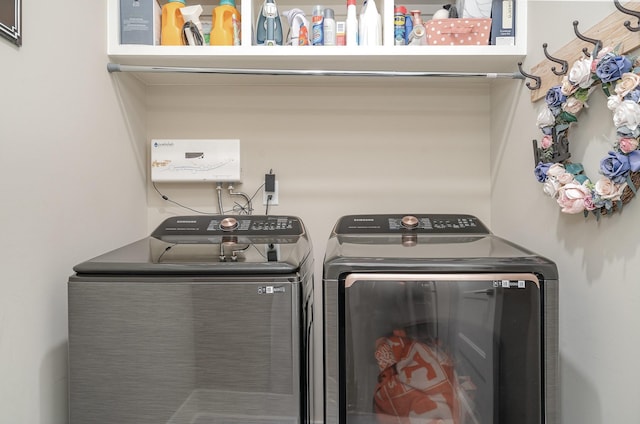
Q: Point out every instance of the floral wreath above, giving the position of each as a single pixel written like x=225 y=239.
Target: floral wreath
x=619 y=78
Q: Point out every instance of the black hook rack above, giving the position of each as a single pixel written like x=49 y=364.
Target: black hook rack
x=537 y=79
x=630 y=12
x=564 y=63
x=597 y=44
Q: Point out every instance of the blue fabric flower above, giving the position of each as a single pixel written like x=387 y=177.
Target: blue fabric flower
x=540 y=171
x=555 y=98
x=611 y=67
x=634 y=95
x=634 y=160
x=615 y=167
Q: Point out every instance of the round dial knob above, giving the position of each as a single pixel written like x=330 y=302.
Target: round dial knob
x=409 y=221
x=228 y=224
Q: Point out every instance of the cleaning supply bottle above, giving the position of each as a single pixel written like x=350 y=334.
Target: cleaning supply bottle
x=298 y=27
x=399 y=20
x=370 y=29
x=222 y=31
x=317 y=35
x=352 y=24
x=329 y=27
x=172 y=23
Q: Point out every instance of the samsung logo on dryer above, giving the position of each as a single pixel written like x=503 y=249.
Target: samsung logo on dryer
x=163 y=144
x=186 y=222
x=363 y=219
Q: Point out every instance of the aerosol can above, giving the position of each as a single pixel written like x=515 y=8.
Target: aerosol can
x=269 y=26
x=298 y=27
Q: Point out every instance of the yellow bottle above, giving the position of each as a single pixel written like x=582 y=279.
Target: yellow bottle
x=222 y=28
x=172 y=23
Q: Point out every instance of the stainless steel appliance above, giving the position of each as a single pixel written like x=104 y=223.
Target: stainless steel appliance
x=207 y=321
x=432 y=317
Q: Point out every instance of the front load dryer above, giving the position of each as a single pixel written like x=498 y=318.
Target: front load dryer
x=433 y=319
x=206 y=321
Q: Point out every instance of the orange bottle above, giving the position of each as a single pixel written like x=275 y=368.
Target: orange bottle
x=172 y=23
x=222 y=25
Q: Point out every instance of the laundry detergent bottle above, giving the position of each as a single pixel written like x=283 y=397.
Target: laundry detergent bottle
x=172 y=23
x=222 y=24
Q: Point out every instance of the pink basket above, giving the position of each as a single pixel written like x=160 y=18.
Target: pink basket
x=458 y=32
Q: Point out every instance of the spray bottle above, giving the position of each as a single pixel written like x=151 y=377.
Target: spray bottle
x=222 y=33
x=370 y=31
x=172 y=23
x=269 y=26
x=193 y=26
x=298 y=27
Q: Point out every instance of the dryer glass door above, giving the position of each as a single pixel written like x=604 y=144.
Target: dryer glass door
x=464 y=349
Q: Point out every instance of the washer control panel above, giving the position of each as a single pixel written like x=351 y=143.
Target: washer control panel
x=208 y=225
x=419 y=224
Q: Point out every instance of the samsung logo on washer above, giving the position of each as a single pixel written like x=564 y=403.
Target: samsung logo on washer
x=270 y=290
x=163 y=143
x=186 y=222
x=363 y=219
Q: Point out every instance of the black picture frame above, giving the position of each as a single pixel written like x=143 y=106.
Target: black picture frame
x=11 y=20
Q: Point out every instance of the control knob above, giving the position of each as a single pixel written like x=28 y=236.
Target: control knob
x=409 y=222
x=228 y=224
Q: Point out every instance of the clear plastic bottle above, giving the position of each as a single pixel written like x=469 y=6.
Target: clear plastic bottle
x=172 y=23
x=329 y=28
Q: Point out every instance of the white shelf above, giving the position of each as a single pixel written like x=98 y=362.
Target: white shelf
x=380 y=58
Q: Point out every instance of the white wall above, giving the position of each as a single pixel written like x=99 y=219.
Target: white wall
x=599 y=284
x=71 y=188
x=396 y=147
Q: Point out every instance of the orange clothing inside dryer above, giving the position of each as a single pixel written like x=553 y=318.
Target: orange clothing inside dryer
x=416 y=383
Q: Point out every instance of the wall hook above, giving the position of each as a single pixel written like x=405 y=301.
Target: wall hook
x=537 y=79
x=626 y=11
x=564 y=63
x=597 y=44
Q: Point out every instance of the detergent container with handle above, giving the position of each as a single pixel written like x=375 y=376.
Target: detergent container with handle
x=222 y=24
x=172 y=23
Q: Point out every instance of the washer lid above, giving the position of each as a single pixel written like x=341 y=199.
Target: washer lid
x=210 y=245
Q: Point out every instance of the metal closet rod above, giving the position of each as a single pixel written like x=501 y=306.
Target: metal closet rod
x=115 y=67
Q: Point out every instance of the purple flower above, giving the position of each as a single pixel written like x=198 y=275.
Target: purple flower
x=540 y=171
x=555 y=98
x=615 y=167
x=611 y=67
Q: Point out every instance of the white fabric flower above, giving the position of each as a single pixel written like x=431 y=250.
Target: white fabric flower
x=607 y=189
x=580 y=73
x=551 y=187
x=613 y=102
x=556 y=170
x=627 y=114
x=545 y=118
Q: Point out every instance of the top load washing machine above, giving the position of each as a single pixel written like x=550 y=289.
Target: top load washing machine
x=433 y=319
x=207 y=321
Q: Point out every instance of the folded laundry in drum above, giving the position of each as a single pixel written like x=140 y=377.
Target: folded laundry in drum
x=415 y=381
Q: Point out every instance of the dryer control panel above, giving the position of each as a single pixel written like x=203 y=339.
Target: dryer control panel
x=411 y=223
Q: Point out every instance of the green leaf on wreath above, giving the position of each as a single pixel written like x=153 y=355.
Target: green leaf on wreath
x=620 y=204
x=586 y=213
x=574 y=168
x=581 y=178
x=581 y=94
x=630 y=184
x=568 y=117
x=560 y=128
x=605 y=88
